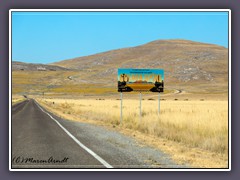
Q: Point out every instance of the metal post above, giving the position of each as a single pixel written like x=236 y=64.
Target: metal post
x=158 y=103
x=121 y=108
x=140 y=106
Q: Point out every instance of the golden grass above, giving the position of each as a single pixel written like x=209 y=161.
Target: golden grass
x=195 y=124
x=55 y=82
x=17 y=98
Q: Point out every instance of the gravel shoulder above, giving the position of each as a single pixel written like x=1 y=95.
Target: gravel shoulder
x=118 y=149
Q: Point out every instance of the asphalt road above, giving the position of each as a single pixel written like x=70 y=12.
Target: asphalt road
x=43 y=140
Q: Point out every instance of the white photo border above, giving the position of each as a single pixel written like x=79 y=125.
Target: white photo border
x=121 y=10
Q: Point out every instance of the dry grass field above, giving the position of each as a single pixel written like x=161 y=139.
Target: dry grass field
x=197 y=129
x=16 y=99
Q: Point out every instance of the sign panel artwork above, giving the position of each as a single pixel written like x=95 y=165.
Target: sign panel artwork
x=140 y=80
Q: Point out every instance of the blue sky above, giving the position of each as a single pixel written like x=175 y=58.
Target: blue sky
x=46 y=37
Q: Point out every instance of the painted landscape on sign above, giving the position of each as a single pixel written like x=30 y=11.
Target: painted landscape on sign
x=140 y=80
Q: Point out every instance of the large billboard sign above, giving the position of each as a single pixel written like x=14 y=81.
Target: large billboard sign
x=140 y=80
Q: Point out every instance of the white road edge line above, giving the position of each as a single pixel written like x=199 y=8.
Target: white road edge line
x=101 y=160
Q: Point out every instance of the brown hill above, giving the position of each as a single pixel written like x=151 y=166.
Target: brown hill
x=188 y=65
x=191 y=68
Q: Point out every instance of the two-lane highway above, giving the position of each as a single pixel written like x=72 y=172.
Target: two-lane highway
x=35 y=135
x=43 y=140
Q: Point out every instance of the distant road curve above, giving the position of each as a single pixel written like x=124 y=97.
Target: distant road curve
x=178 y=91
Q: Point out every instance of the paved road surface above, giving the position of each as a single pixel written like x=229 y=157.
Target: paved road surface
x=43 y=140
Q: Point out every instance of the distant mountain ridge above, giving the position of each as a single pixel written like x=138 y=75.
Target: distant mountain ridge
x=21 y=66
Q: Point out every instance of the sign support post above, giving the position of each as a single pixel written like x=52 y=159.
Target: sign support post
x=121 y=108
x=158 y=103
x=140 y=106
